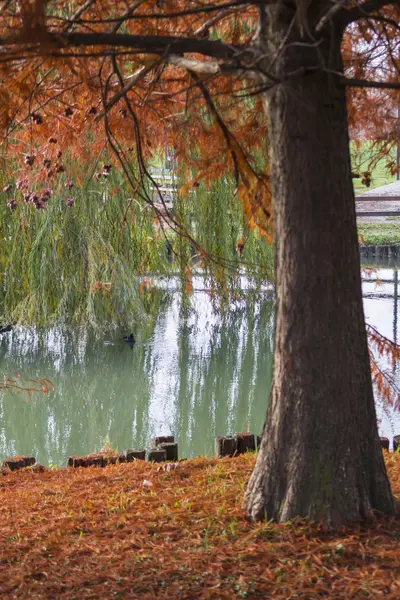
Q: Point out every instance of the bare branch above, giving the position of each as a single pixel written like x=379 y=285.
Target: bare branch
x=78 y=13
x=151 y=44
x=209 y=67
x=389 y=85
x=128 y=86
x=329 y=15
x=362 y=11
x=195 y=66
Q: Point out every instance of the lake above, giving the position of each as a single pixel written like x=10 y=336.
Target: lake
x=195 y=377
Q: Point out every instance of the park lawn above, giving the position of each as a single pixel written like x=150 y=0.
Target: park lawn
x=375 y=234
x=361 y=158
x=133 y=531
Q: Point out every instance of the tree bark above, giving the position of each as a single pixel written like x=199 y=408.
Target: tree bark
x=320 y=455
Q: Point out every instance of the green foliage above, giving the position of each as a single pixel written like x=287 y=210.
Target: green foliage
x=376 y=234
x=77 y=264
x=87 y=263
x=361 y=158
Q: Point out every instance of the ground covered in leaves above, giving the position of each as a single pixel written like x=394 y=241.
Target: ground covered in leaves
x=133 y=531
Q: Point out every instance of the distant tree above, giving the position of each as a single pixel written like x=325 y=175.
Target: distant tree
x=217 y=81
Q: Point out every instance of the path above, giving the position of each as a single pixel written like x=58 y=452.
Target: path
x=390 y=191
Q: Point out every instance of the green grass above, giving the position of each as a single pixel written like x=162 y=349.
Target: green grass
x=361 y=158
x=376 y=234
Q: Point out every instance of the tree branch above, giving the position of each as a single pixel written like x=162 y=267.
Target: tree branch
x=389 y=85
x=212 y=67
x=151 y=44
x=363 y=10
x=329 y=15
x=122 y=92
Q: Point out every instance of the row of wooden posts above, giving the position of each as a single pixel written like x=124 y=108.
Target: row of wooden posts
x=163 y=449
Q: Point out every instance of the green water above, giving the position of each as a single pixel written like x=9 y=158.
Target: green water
x=195 y=378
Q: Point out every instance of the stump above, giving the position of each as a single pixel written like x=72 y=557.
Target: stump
x=384 y=443
x=19 y=462
x=225 y=446
x=396 y=443
x=171 y=450
x=245 y=443
x=38 y=468
x=132 y=455
x=162 y=439
x=98 y=461
x=157 y=455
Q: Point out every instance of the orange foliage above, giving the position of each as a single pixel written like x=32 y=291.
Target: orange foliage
x=384 y=380
x=49 y=90
x=18 y=387
x=138 y=531
x=54 y=95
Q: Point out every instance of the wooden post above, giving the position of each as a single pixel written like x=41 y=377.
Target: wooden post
x=132 y=455
x=162 y=439
x=98 y=461
x=157 y=455
x=171 y=450
x=384 y=443
x=245 y=443
x=225 y=446
x=19 y=462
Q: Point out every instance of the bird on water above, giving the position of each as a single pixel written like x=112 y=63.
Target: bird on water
x=130 y=339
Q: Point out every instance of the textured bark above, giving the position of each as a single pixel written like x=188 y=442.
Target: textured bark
x=320 y=454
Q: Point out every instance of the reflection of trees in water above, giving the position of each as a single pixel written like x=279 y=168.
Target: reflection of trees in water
x=102 y=391
x=220 y=383
x=224 y=387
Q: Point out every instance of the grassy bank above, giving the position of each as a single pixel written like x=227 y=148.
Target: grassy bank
x=133 y=531
x=362 y=158
x=377 y=234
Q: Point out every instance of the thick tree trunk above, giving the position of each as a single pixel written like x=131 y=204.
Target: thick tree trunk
x=320 y=454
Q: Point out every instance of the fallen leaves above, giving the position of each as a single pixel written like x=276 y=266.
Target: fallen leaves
x=91 y=533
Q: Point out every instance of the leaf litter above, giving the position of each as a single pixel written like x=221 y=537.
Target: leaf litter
x=101 y=533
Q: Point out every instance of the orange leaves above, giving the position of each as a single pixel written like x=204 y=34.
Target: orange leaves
x=18 y=387
x=104 y=286
x=187 y=278
x=145 y=285
x=383 y=379
x=255 y=196
x=104 y=533
x=253 y=189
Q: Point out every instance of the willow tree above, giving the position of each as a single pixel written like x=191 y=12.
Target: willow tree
x=218 y=81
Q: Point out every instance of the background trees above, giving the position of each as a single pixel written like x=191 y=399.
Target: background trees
x=222 y=83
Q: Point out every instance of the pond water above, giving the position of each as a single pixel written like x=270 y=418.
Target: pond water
x=195 y=378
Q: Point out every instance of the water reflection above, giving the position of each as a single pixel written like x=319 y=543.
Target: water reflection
x=198 y=377
x=381 y=304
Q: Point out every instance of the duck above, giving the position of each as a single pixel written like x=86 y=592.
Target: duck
x=5 y=328
x=129 y=339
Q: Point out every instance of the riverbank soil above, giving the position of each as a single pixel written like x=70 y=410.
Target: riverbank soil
x=140 y=530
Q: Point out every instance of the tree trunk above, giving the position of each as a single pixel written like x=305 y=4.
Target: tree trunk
x=320 y=455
